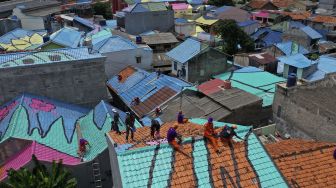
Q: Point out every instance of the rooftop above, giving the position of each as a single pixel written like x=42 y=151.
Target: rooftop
x=159 y=38
x=254 y=81
x=312 y=33
x=44 y=57
x=186 y=50
x=268 y=36
x=240 y=165
x=297 y=60
x=148 y=7
x=262 y=58
x=87 y=23
x=258 y=4
x=287 y=48
x=305 y=163
x=326 y=65
x=113 y=44
x=204 y=20
x=324 y=19
x=66 y=37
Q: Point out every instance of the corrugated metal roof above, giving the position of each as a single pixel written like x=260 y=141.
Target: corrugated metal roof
x=44 y=57
x=326 y=65
x=100 y=36
x=286 y=48
x=66 y=37
x=313 y=34
x=211 y=86
x=267 y=35
x=113 y=44
x=85 y=22
x=297 y=60
x=247 y=23
x=206 y=20
x=186 y=50
x=149 y=7
x=159 y=38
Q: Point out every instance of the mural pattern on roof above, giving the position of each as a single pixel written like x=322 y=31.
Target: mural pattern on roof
x=238 y=165
x=23 y=43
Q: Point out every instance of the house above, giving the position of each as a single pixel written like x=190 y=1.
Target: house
x=254 y=81
x=9 y=24
x=249 y=26
x=72 y=75
x=322 y=22
x=297 y=15
x=195 y=61
x=21 y=39
x=121 y=52
x=307 y=69
x=260 y=5
x=286 y=48
x=83 y=24
x=263 y=61
x=327 y=47
x=64 y=38
x=50 y=130
x=307 y=110
x=229 y=12
x=283 y=4
x=142 y=92
x=156 y=164
x=184 y=27
x=268 y=18
x=37 y=18
x=266 y=37
x=302 y=5
x=287 y=25
x=305 y=36
x=308 y=165
x=207 y=23
x=160 y=42
x=181 y=9
x=161 y=62
x=327 y=5
x=142 y=17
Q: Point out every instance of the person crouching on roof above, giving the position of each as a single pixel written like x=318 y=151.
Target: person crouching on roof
x=210 y=135
x=227 y=134
x=180 y=118
x=155 y=129
x=172 y=135
x=82 y=147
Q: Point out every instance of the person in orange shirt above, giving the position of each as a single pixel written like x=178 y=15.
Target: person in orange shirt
x=210 y=135
x=172 y=135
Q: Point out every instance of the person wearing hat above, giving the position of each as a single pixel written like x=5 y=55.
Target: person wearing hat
x=172 y=135
x=115 y=122
x=228 y=133
x=155 y=129
x=210 y=135
x=130 y=125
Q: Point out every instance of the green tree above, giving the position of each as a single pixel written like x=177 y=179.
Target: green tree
x=220 y=3
x=233 y=37
x=104 y=9
x=40 y=177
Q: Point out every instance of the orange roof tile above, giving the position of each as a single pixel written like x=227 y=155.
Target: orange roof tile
x=283 y=3
x=305 y=163
x=324 y=19
x=126 y=72
x=298 y=15
x=258 y=4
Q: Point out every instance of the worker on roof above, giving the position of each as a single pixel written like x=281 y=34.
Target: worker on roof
x=130 y=119
x=172 y=135
x=155 y=129
x=210 y=135
x=228 y=133
x=335 y=154
x=82 y=147
x=180 y=118
x=115 y=121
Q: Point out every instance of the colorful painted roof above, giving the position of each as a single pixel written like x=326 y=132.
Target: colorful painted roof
x=66 y=37
x=254 y=81
x=146 y=164
x=186 y=50
x=139 y=83
x=286 y=48
x=204 y=20
x=180 y=6
x=20 y=39
x=305 y=163
x=53 y=124
x=44 y=57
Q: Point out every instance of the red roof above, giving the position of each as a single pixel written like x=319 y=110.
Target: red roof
x=211 y=86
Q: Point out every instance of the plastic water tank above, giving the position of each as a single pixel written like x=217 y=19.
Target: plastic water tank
x=138 y=39
x=291 y=80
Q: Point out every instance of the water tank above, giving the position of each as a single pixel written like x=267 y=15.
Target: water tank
x=102 y=22
x=46 y=38
x=291 y=80
x=138 y=39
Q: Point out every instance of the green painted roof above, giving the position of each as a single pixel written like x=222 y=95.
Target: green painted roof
x=254 y=81
x=153 y=166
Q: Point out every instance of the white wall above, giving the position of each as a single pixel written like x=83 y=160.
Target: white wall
x=29 y=22
x=116 y=61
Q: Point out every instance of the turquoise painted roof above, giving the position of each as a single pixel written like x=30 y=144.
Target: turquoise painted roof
x=254 y=81
x=53 y=123
x=155 y=166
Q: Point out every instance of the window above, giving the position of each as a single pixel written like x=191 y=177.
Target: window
x=138 y=59
x=175 y=66
x=28 y=61
x=55 y=58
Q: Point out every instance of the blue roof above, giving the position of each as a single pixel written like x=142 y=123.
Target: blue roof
x=195 y=2
x=18 y=33
x=181 y=20
x=297 y=60
x=247 y=23
x=270 y=37
x=113 y=44
x=112 y=24
x=185 y=51
x=222 y=9
x=84 y=22
x=326 y=65
x=313 y=34
x=286 y=48
x=66 y=37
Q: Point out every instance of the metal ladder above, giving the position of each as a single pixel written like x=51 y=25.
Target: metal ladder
x=96 y=175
